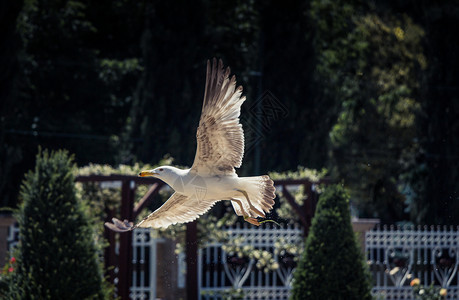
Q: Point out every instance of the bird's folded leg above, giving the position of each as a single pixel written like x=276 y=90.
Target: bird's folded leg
x=260 y=213
x=120 y=226
x=247 y=218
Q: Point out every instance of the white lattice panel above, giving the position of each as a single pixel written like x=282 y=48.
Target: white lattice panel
x=217 y=275
x=144 y=264
x=397 y=255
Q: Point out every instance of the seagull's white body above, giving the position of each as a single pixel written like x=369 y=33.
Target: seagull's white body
x=215 y=187
x=185 y=182
x=212 y=177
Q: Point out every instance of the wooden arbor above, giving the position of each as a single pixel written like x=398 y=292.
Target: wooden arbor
x=123 y=261
x=128 y=211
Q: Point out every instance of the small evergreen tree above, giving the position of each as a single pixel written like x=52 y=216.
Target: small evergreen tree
x=57 y=256
x=332 y=266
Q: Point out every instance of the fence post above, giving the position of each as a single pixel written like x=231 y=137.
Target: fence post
x=125 y=256
x=109 y=252
x=191 y=260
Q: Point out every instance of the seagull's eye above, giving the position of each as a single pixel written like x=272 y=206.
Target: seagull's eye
x=161 y=169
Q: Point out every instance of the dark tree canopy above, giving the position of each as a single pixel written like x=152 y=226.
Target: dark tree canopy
x=367 y=90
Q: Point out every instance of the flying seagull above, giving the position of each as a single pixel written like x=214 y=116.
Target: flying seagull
x=212 y=177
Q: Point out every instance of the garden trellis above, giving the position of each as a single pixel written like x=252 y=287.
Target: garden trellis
x=396 y=255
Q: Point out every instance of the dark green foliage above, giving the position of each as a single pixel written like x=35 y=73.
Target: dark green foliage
x=433 y=172
x=68 y=84
x=175 y=46
x=368 y=61
x=370 y=89
x=57 y=257
x=332 y=266
x=289 y=63
x=165 y=96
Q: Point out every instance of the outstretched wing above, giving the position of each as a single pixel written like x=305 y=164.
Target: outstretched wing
x=220 y=137
x=177 y=209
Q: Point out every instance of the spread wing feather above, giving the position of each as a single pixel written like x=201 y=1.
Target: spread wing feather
x=177 y=209
x=220 y=138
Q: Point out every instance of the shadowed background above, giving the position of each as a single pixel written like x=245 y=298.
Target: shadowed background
x=369 y=91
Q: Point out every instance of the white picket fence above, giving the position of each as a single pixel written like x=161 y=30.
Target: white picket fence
x=396 y=255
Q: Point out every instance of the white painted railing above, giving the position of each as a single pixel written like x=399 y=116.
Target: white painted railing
x=397 y=255
x=144 y=255
x=221 y=274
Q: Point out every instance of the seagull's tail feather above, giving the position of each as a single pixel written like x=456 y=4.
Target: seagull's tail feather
x=261 y=192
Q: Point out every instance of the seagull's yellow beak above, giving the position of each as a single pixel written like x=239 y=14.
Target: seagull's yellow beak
x=148 y=173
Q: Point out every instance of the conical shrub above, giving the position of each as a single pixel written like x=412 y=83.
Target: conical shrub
x=57 y=256
x=332 y=266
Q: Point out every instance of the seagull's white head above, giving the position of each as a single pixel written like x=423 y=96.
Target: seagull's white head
x=166 y=173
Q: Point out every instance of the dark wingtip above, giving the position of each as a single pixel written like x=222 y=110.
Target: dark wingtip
x=119 y=226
